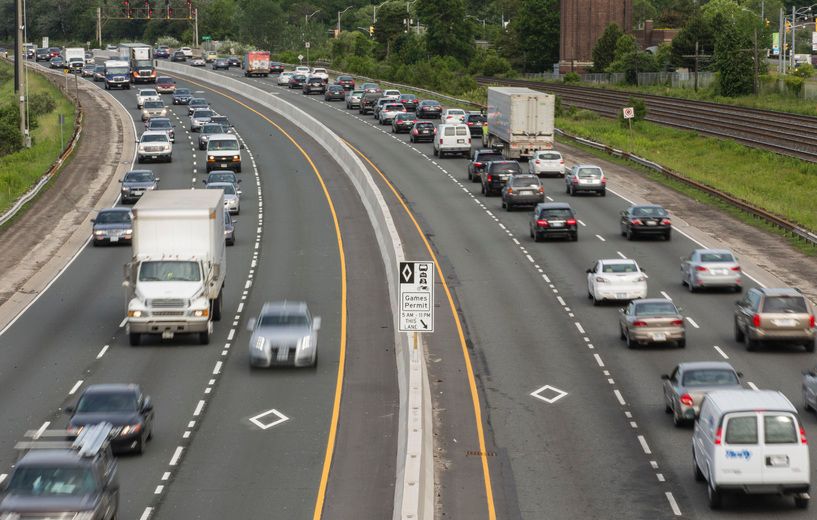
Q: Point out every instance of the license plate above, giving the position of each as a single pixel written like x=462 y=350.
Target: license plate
x=154 y=156
x=224 y=165
x=460 y=141
x=114 y=239
x=621 y=295
x=526 y=192
x=777 y=461
x=425 y=132
x=650 y=223
x=557 y=224
x=136 y=192
x=659 y=336
x=785 y=323
x=720 y=271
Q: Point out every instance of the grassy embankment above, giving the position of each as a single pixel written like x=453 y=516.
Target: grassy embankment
x=20 y=170
x=781 y=185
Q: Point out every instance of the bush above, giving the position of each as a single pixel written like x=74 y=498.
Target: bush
x=639 y=108
x=571 y=77
x=558 y=109
x=584 y=115
x=805 y=70
x=794 y=84
x=10 y=137
x=40 y=104
x=170 y=41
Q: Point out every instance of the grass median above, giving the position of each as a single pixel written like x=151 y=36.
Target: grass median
x=19 y=171
x=781 y=185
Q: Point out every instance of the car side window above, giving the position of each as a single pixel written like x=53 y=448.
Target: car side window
x=754 y=300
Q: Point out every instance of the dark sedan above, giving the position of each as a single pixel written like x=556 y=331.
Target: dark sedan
x=475 y=122
x=234 y=61
x=57 y=62
x=402 y=122
x=496 y=173
x=276 y=67
x=135 y=183
x=229 y=229
x=99 y=73
x=648 y=219
x=335 y=93
x=164 y=124
x=42 y=55
x=422 y=131
x=429 y=109
x=409 y=101
x=161 y=52
x=221 y=63
x=347 y=82
x=178 y=56
x=297 y=81
x=88 y=70
x=112 y=226
x=182 y=96
x=553 y=219
x=314 y=84
x=522 y=190
x=124 y=406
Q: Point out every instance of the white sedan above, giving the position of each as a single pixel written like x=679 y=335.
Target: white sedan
x=146 y=94
x=283 y=78
x=616 y=279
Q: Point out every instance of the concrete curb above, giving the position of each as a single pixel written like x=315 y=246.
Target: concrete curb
x=414 y=486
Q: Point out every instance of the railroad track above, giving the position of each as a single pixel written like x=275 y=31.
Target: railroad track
x=787 y=134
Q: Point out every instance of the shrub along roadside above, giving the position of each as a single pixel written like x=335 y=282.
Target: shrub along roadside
x=21 y=170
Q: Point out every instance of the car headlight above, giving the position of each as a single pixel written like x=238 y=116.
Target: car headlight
x=125 y=188
x=128 y=231
x=130 y=429
x=201 y=313
x=304 y=342
x=134 y=314
x=260 y=343
x=236 y=157
x=99 y=232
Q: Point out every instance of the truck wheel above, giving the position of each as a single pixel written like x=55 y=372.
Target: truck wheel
x=715 y=498
x=204 y=337
x=135 y=339
x=801 y=502
x=699 y=476
x=215 y=307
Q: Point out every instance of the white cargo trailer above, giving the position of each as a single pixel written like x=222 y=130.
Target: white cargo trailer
x=520 y=121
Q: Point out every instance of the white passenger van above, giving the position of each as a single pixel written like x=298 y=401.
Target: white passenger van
x=452 y=139
x=223 y=153
x=750 y=441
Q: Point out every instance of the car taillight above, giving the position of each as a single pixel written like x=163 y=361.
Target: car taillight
x=604 y=181
x=803 y=439
x=575 y=180
x=541 y=189
x=469 y=123
x=718 y=434
x=510 y=190
x=639 y=323
x=687 y=400
x=736 y=268
x=701 y=268
x=537 y=161
x=811 y=321
x=756 y=320
x=441 y=141
x=542 y=223
x=677 y=323
x=477 y=164
x=571 y=222
x=562 y=161
x=490 y=177
x=666 y=222
x=635 y=221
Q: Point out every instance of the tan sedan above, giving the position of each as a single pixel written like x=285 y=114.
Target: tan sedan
x=653 y=320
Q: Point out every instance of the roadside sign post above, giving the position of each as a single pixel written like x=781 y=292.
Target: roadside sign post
x=307 y=53
x=416 y=300
x=629 y=115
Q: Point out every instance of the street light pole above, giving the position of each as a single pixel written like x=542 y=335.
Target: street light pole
x=374 y=11
x=340 y=13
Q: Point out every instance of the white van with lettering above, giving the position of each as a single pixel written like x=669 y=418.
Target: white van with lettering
x=751 y=441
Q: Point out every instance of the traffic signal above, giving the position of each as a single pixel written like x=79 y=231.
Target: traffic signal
x=767 y=23
x=788 y=26
x=127 y=9
x=168 y=9
x=371 y=30
x=148 y=9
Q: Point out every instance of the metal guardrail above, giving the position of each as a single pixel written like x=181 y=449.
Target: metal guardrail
x=49 y=174
x=756 y=212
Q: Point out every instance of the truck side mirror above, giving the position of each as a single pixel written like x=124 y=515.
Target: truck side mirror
x=251 y=323
x=69 y=409
x=316 y=323
x=665 y=377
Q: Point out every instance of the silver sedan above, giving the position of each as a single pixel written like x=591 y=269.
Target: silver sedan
x=688 y=383
x=652 y=320
x=711 y=268
x=810 y=389
x=284 y=334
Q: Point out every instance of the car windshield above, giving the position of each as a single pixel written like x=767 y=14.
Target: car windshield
x=655 y=309
x=139 y=177
x=99 y=68
x=144 y=93
x=586 y=173
x=431 y=103
x=525 y=180
x=161 y=270
x=717 y=257
x=428 y=126
x=221 y=177
x=154 y=138
x=710 y=377
x=154 y=104
x=229 y=189
x=619 y=267
x=222 y=144
x=649 y=211
x=107 y=402
x=506 y=168
x=283 y=320
x=456 y=112
x=182 y=92
x=556 y=213
x=212 y=129
x=222 y=120
x=198 y=101
x=203 y=113
x=393 y=107
x=160 y=124
x=488 y=157
x=164 y=81
x=549 y=156
x=407 y=97
x=113 y=217
x=52 y=481
x=476 y=119
x=787 y=304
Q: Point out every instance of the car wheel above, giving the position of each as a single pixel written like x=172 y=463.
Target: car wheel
x=315 y=359
x=682 y=343
x=738 y=289
x=809 y=346
x=215 y=307
x=667 y=407
x=204 y=337
x=668 y=236
x=739 y=335
x=751 y=344
x=630 y=234
x=806 y=406
x=574 y=237
x=715 y=497
x=135 y=337
x=140 y=446
x=630 y=342
x=677 y=421
x=801 y=502
x=596 y=301
x=699 y=476
x=621 y=335
x=690 y=285
x=567 y=189
x=603 y=193
x=435 y=152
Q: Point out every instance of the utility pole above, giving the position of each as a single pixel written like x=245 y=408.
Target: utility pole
x=99 y=26
x=793 y=30
x=697 y=57
x=19 y=72
x=781 y=36
x=196 y=25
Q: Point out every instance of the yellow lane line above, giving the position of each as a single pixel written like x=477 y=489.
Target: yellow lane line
x=333 y=426
x=469 y=368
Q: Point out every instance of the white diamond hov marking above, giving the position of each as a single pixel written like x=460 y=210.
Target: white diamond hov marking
x=556 y=394
x=265 y=426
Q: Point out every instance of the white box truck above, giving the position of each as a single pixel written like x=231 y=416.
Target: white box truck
x=520 y=121
x=140 y=60
x=74 y=58
x=175 y=278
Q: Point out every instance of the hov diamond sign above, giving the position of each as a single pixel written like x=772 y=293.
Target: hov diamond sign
x=416 y=296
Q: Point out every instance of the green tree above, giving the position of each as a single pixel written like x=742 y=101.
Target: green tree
x=605 y=49
x=630 y=60
x=447 y=32
x=732 y=61
x=218 y=19
x=697 y=29
x=389 y=25
x=258 y=22
x=532 y=38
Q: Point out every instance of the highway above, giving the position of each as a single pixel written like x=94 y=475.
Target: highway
x=302 y=235
x=604 y=448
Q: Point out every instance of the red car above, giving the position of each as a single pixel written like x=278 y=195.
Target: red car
x=347 y=82
x=403 y=123
x=165 y=85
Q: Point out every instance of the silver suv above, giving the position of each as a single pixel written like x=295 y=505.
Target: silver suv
x=774 y=315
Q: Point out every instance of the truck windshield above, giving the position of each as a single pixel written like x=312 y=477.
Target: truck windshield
x=222 y=144
x=52 y=481
x=117 y=70
x=162 y=271
x=144 y=63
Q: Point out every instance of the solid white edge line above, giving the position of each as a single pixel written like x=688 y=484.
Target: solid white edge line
x=673 y=504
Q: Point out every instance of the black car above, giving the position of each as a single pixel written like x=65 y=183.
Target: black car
x=647 y=219
x=496 y=174
x=162 y=123
x=74 y=479
x=135 y=183
x=422 y=131
x=478 y=161
x=314 y=84
x=368 y=101
x=229 y=229
x=409 y=101
x=234 y=61
x=553 y=219
x=112 y=226
x=403 y=122
x=335 y=93
x=347 y=82
x=522 y=190
x=221 y=63
x=161 y=52
x=178 y=56
x=57 y=62
x=276 y=67
x=88 y=70
x=429 y=109
x=42 y=55
x=297 y=81
x=475 y=122
x=182 y=96
x=124 y=406
x=99 y=73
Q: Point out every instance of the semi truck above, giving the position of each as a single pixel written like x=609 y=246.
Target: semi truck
x=140 y=59
x=175 y=277
x=256 y=63
x=520 y=121
x=74 y=58
x=117 y=74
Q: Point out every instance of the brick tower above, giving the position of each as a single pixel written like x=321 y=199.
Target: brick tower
x=582 y=23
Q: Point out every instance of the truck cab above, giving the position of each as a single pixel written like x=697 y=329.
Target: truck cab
x=117 y=74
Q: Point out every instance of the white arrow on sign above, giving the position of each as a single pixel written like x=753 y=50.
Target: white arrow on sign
x=267 y=425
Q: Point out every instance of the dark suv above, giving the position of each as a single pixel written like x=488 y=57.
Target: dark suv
x=77 y=478
x=553 y=219
x=314 y=84
x=478 y=161
x=496 y=174
x=475 y=122
x=368 y=101
x=768 y=315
